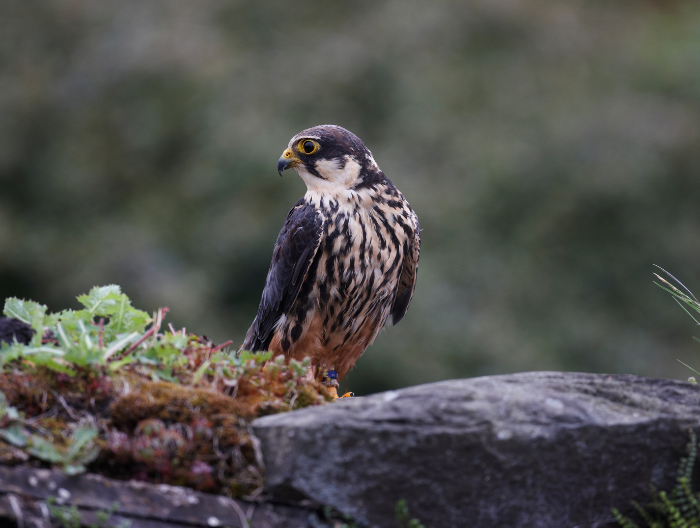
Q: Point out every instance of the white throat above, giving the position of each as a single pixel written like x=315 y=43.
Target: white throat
x=338 y=187
x=337 y=179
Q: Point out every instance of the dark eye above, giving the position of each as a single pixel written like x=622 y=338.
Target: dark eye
x=308 y=147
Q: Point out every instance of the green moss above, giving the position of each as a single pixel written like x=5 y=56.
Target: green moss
x=163 y=406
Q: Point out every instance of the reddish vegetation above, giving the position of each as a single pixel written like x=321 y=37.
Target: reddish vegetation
x=193 y=430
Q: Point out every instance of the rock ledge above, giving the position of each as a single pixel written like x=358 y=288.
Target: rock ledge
x=537 y=449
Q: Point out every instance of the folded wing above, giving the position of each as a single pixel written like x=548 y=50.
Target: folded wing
x=294 y=252
x=407 y=281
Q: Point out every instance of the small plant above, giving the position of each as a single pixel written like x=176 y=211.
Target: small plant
x=106 y=387
x=334 y=519
x=74 y=457
x=678 y=509
x=684 y=297
x=78 y=451
x=71 y=339
x=402 y=516
x=69 y=516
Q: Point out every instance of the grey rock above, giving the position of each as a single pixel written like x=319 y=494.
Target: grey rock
x=25 y=490
x=539 y=449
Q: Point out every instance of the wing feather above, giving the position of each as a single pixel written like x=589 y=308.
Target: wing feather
x=407 y=280
x=294 y=251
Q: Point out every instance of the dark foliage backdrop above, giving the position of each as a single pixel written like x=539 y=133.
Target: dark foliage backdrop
x=550 y=149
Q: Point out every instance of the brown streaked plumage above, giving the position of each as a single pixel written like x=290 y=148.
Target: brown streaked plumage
x=345 y=259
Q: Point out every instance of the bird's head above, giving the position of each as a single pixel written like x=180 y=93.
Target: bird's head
x=330 y=158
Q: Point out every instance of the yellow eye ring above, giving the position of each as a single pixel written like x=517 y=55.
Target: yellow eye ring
x=308 y=146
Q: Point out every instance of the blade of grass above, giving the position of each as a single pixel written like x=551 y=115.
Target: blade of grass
x=675 y=279
x=680 y=295
x=118 y=345
x=66 y=343
x=35 y=350
x=673 y=290
x=200 y=371
x=120 y=318
x=686 y=311
x=691 y=368
x=85 y=334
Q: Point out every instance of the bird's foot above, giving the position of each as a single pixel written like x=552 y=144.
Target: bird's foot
x=330 y=380
x=334 y=394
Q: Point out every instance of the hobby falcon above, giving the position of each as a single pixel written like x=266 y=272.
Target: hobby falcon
x=345 y=259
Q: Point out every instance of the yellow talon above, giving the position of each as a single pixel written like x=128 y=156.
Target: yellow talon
x=330 y=380
x=334 y=393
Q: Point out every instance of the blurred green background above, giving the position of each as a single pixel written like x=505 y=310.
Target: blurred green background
x=551 y=150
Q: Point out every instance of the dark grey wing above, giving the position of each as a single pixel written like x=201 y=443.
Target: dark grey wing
x=294 y=251
x=11 y=329
x=409 y=271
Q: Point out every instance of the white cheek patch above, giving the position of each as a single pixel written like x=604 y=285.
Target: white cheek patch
x=338 y=186
x=318 y=186
x=346 y=176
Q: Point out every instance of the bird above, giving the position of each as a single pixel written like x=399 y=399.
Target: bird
x=345 y=259
x=12 y=330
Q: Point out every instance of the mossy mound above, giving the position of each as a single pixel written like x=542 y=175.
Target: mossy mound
x=103 y=389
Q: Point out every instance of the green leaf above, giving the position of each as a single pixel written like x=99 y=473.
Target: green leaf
x=116 y=365
x=14 y=435
x=200 y=371
x=20 y=309
x=401 y=510
x=69 y=319
x=146 y=360
x=73 y=469
x=127 y=320
x=7 y=411
x=59 y=367
x=80 y=452
x=28 y=312
x=3 y=404
x=47 y=349
x=102 y=300
x=163 y=353
x=82 y=437
x=119 y=344
x=110 y=302
x=44 y=450
x=164 y=374
x=176 y=340
x=10 y=352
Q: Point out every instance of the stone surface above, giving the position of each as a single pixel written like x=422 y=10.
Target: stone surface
x=540 y=449
x=24 y=491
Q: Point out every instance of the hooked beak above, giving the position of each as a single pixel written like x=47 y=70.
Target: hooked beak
x=287 y=160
